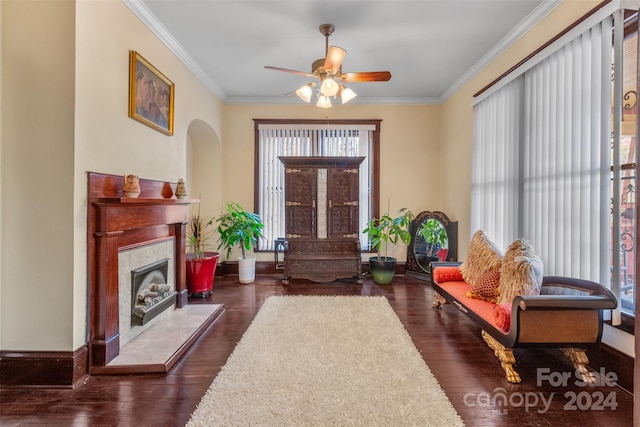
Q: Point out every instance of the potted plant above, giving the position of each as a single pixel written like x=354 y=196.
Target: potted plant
x=381 y=232
x=238 y=227
x=200 y=263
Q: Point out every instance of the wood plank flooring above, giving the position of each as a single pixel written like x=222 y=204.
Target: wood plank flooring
x=451 y=345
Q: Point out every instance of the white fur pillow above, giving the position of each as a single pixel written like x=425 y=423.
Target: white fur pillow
x=521 y=272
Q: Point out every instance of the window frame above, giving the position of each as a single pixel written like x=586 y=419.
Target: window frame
x=375 y=164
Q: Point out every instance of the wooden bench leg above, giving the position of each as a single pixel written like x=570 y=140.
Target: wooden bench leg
x=579 y=359
x=438 y=300
x=505 y=355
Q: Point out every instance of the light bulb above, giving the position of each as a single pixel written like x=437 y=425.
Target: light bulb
x=304 y=93
x=329 y=87
x=324 y=102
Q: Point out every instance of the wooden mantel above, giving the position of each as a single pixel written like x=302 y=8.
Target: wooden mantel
x=117 y=223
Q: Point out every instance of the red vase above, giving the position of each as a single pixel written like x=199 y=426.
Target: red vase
x=201 y=272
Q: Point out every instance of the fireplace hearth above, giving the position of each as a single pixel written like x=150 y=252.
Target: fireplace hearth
x=150 y=292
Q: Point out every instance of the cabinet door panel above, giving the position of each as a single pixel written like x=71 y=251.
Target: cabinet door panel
x=300 y=207
x=342 y=193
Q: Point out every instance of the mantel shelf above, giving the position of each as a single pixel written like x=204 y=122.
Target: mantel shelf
x=142 y=201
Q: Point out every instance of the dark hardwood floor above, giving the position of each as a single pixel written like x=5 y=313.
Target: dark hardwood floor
x=451 y=345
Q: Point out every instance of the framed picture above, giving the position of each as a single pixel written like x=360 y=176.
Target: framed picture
x=151 y=95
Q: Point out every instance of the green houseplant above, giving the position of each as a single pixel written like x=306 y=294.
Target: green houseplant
x=237 y=227
x=200 y=263
x=382 y=231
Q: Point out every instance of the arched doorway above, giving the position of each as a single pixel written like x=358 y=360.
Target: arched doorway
x=204 y=167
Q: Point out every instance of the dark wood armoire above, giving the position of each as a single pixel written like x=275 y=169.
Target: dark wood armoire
x=321 y=218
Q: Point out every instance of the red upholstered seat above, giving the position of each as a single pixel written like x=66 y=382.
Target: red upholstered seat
x=482 y=308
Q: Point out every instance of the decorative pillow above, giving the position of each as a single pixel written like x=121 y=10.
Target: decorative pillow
x=521 y=272
x=502 y=316
x=447 y=274
x=482 y=256
x=486 y=287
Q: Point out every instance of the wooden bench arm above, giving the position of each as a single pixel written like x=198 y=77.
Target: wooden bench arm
x=566 y=302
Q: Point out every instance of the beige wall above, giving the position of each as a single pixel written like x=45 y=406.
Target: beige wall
x=37 y=175
x=457 y=130
x=1 y=162
x=63 y=93
x=409 y=149
x=65 y=79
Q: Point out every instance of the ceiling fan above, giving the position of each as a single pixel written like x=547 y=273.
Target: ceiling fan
x=328 y=72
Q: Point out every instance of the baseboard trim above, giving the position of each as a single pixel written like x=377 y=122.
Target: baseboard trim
x=50 y=369
x=230 y=268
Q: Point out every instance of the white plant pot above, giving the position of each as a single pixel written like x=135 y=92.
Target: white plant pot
x=247 y=270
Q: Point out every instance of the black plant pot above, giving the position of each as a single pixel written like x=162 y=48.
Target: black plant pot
x=382 y=269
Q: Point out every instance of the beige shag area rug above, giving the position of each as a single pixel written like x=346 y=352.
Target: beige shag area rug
x=325 y=361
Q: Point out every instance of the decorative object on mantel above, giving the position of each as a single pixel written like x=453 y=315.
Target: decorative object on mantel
x=238 y=227
x=151 y=95
x=131 y=187
x=201 y=264
x=381 y=231
x=181 y=189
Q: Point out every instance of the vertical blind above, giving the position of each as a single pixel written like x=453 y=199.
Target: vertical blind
x=306 y=140
x=495 y=175
x=567 y=133
x=541 y=157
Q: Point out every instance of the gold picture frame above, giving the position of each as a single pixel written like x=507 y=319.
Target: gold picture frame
x=151 y=95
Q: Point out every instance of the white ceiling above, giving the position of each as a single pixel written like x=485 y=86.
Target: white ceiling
x=431 y=47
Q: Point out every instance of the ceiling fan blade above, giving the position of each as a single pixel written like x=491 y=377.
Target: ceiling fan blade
x=334 y=58
x=366 y=76
x=286 y=70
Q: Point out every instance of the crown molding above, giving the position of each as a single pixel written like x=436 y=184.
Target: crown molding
x=357 y=101
x=507 y=41
x=150 y=20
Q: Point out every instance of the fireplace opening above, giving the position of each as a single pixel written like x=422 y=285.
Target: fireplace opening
x=150 y=292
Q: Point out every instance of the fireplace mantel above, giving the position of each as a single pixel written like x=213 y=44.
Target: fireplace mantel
x=118 y=223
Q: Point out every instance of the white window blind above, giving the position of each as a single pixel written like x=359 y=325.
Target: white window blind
x=277 y=140
x=566 y=156
x=495 y=175
x=541 y=156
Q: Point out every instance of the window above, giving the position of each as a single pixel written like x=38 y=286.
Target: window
x=274 y=138
x=623 y=212
x=554 y=156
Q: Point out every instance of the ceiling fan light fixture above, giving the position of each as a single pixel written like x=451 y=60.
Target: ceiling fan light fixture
x=329 y=87
x=328 y=74
x=346 y=94
x=335 y=56
x=305 y=93
x=324 y=102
